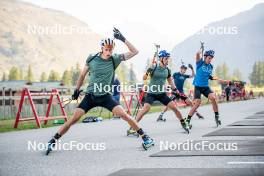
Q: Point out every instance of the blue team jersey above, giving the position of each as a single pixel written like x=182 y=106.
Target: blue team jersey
x=203 y=71
x=179 y=80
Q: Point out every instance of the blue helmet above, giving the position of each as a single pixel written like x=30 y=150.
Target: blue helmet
x=209 y=53
x=163 y=53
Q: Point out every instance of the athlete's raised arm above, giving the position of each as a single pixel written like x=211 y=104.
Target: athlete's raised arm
x=132 y=49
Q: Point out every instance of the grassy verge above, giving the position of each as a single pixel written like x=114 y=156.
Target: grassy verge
x=7 y=125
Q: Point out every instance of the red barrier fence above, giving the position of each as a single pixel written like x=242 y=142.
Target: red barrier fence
x=37 y=118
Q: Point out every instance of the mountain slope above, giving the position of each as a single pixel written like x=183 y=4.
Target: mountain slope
x=240 y=46
x=45 y=38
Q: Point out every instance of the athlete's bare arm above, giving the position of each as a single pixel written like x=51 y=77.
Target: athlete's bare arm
x=198 y=56
x=132 y=51
x=171 y=83
x=82 y=77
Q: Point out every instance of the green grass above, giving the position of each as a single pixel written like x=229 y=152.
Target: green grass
x=8 y=124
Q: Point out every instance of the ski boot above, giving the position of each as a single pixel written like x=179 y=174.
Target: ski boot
x=147 y=142
x=217 y=121
x=132 y=132
x=199 y=115
x=51 y=144
x=185 y=126
x=160 y=118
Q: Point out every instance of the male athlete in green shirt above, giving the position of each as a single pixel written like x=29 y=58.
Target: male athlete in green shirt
x=101 y=68
x=159 y=74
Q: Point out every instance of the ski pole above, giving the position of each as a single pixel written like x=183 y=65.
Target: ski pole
x=202 y=47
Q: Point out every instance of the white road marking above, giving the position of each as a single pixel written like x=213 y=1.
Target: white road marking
x=245 y=162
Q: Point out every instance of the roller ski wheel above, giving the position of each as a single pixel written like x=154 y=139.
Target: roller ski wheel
x=132 y=132
x=187 y=129
x=186 y=126
x=199 y=116
x=51 y=145
x=147 y=142
x=188 y=121
x=161 y=119
x=217 y=121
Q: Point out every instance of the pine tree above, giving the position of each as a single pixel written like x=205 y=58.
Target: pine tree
x=75 y=73
x=225 y=71
x=237 y=75
x=54 y=76
x=66 y=78
x=14 y=74
x=132 y=75
x=257 y=75
x=43 y=77
x=29 y=76
x=4 y=77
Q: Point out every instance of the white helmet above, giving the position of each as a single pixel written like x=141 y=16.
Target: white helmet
x=107 y=42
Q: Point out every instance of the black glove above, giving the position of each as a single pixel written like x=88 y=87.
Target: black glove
x=76 y=94
x=190 y=66
x=175 y=92
x=118 y=35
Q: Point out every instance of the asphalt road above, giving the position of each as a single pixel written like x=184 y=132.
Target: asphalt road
x=121 y=151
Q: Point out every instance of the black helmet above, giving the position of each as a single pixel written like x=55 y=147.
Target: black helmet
x=184 y=67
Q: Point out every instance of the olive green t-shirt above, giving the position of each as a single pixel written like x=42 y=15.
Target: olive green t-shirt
x=101 y=73
x=158 y=79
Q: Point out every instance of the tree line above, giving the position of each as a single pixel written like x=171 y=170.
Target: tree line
x=69 y=77
x=126 y=73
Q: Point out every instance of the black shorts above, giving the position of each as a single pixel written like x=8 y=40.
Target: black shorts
x=90 y=101
x=163 y=98
x=181 y=96
x=201 y=90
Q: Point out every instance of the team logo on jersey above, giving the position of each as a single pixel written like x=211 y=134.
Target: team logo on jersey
x=207 y=69
x=181 y=77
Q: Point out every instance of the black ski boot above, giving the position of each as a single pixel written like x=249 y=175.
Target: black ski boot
x=51 y=145
x=217 y=121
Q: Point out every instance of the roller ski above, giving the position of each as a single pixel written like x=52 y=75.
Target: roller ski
x=186 y=126
x=51 y=145
x=160 y=118
x=217 y=121
x=132 y=132
x=199 y=115
x=147 y=142
x=188 y=120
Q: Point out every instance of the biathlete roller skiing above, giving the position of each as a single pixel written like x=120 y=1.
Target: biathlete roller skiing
x=101 y=67
x=179 y=79
x=204 y=70
x=130 y=131
x=159 y=73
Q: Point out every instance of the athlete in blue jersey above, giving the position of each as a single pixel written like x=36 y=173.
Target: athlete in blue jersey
x=179 y=79
x=204 y=70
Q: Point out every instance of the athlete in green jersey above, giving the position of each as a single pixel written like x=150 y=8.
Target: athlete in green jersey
x=101 y=68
